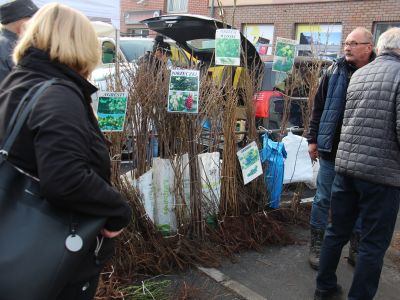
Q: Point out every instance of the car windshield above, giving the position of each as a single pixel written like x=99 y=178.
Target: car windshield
x=133 y=49
x=201 y=44
x=273 y=80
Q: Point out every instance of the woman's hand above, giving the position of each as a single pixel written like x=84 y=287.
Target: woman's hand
x=110 y=234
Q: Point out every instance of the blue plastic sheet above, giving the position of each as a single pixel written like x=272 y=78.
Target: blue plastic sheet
x=272 y=156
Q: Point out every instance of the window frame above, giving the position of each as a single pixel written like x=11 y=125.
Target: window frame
x=174 y=3
x=319 y=49
x=388 y=23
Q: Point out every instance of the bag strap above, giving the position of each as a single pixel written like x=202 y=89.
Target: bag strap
x=21 y=114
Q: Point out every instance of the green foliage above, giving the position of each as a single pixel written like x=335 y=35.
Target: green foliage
x=285 y=50
x=280 y=65
x=284 y=54
x=112 y=105
x=182 y=102
x=253 y=171
x=250 y=158
x=227 y=60
x=111 y=122
x=164 y=229
x=184 y=83
x=149 y=290
x=228 y=47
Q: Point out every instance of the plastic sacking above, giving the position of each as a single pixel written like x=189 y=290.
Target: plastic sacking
x=272 y=156
x=298 y=165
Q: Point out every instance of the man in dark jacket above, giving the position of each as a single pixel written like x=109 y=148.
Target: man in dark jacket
x=367 y=183
x=324 y=132
x=13 y=16
x=160 y=54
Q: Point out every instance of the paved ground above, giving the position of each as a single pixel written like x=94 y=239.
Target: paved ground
x=282 y=273
x=277 y=273
x=274 y=273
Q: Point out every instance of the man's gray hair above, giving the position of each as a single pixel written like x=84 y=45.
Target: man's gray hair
x=389 y=40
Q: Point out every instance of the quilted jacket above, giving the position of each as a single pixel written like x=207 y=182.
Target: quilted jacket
x=369 y=147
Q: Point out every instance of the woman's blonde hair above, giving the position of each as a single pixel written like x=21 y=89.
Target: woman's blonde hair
x=65 y=34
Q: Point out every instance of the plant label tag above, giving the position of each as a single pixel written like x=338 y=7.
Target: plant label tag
x=227 y=47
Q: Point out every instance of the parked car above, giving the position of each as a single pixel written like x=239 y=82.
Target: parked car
x=196 y=35
x=131 y=49
x=135 y=47
x=270 y=100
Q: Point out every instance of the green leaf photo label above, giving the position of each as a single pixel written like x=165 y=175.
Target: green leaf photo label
x=227 y=47
x=183 y=95
x=250 y=163
x=285 y=53
x=111 y=110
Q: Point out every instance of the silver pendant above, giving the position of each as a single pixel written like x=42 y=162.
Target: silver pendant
x=73 y=243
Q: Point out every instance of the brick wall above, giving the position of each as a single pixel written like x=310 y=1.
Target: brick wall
x=198 y=7
x=284 y=17
x=132 y=5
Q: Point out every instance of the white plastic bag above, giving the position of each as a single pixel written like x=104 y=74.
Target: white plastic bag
x=163 y=186
x=298 y=165
x=144 y=185
x=312 y=184
x=210 y=173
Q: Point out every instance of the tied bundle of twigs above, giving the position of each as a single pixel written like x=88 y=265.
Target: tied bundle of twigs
x=241 y=221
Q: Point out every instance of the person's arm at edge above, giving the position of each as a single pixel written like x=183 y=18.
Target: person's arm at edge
x=60 y=137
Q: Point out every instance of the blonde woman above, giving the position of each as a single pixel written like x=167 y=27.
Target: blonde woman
x=61 y=143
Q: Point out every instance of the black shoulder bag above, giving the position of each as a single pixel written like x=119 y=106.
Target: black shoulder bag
x=40 y=245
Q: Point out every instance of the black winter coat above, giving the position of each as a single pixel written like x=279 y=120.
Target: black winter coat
x=8 y=40
x=61 y=142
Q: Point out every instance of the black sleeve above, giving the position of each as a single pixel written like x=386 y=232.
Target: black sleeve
x=319 y=103
x=61 y=141
x=398 y=115
x=6 y=63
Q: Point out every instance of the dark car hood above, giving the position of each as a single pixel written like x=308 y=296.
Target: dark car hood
x=183 y=28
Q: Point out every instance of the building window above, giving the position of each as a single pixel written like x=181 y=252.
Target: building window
x=177 y=6
x=134 y=17
x=136 y=32
x=321 y=40
x=381 y=27
x=261 y=36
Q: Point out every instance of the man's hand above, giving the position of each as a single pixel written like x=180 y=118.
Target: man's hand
x=313 y=151
x=110 y=234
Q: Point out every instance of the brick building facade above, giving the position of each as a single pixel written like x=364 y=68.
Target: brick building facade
x=281 y=18
x=132 y=11
x=285 y=16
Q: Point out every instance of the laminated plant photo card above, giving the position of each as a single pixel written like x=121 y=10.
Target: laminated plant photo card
x=227 y=47
x=250 y=162
x=183 y=94
x=111 y=110
x=285 y=52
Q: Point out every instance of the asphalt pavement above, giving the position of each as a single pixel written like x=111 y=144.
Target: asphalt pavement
x=283 y=273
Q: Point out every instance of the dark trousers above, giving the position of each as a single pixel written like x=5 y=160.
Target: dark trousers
x=377 y=206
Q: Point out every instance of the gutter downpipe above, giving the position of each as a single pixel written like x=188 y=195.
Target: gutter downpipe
x=212 y=9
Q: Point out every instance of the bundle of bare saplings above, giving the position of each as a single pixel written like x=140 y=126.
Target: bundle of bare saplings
x=212 y=220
